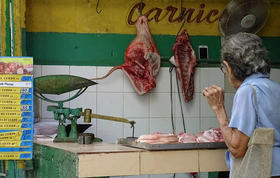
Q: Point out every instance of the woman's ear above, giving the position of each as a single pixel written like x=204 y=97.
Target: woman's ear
x=229 y=71
x=232 y=80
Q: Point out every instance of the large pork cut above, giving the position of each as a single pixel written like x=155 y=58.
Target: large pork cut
x=142 y=59
x=185 y=60
x=211 y=135
x=158 y=138
x=187 y=138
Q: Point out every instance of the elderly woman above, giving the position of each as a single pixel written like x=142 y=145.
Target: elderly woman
x=245 y=62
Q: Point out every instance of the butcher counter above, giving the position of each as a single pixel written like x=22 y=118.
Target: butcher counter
x=71 y=160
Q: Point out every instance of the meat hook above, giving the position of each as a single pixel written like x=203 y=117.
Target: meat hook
x=97 y=11
x=183 y=21
x=171 y=98
x=133 y=128
x=141 y=7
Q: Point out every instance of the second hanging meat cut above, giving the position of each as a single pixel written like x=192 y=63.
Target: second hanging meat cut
x=142 y=59
x=185 y=61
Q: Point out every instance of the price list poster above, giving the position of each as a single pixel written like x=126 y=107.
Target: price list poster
x=16 y=108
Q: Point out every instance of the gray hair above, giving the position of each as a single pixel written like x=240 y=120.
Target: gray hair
x=245 y=54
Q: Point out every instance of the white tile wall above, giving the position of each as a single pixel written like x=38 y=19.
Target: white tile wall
x=208 y=123
x=205 y=109
x=275 y=75
x=190 y=109
x=210 y=76
x=115 y=96
x=192 y=124
x=37 y=70
x=160 y=105
x=162 y=81
x=135 y=105
x=228 y=103
x=54 y=70
x=112 y=83
x=109 y=131
x=162 y=125
x=110 y=104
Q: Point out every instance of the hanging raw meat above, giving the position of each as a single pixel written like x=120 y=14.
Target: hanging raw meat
x=185 y=61
x=142 y=59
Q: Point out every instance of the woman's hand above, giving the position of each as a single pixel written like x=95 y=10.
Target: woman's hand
x=215 y=97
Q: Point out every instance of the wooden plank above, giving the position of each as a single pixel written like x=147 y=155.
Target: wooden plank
x=212 y=160
x=98 y=147
x=164 y=162
x=108 y=164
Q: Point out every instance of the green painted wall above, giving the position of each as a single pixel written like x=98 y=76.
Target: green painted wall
x=108 y=49
x=101 y=49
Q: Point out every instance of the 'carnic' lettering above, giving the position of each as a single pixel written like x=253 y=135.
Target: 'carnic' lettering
x=213 y=13
x=157 y=14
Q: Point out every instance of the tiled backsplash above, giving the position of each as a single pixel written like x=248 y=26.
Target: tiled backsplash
x=152 y=112
x=115 y=96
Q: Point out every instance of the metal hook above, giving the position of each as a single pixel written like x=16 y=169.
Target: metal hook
x=141 y=7
x=183 y=21
x=171 y=67
x=97 y=11
x=133 y=128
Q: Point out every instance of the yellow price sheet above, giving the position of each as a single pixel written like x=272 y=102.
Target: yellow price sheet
x=15 y=126
x=15 y=155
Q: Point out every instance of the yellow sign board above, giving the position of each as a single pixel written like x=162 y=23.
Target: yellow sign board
x=118 y=16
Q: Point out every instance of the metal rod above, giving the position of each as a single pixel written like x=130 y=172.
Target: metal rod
x=141 y=7
x=111 y=118
x=133 y=129
x=11 y=29
x=180 y=101
x=183 y=21
x=171 y=98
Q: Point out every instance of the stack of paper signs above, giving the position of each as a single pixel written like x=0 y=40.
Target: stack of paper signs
x=16 y=108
